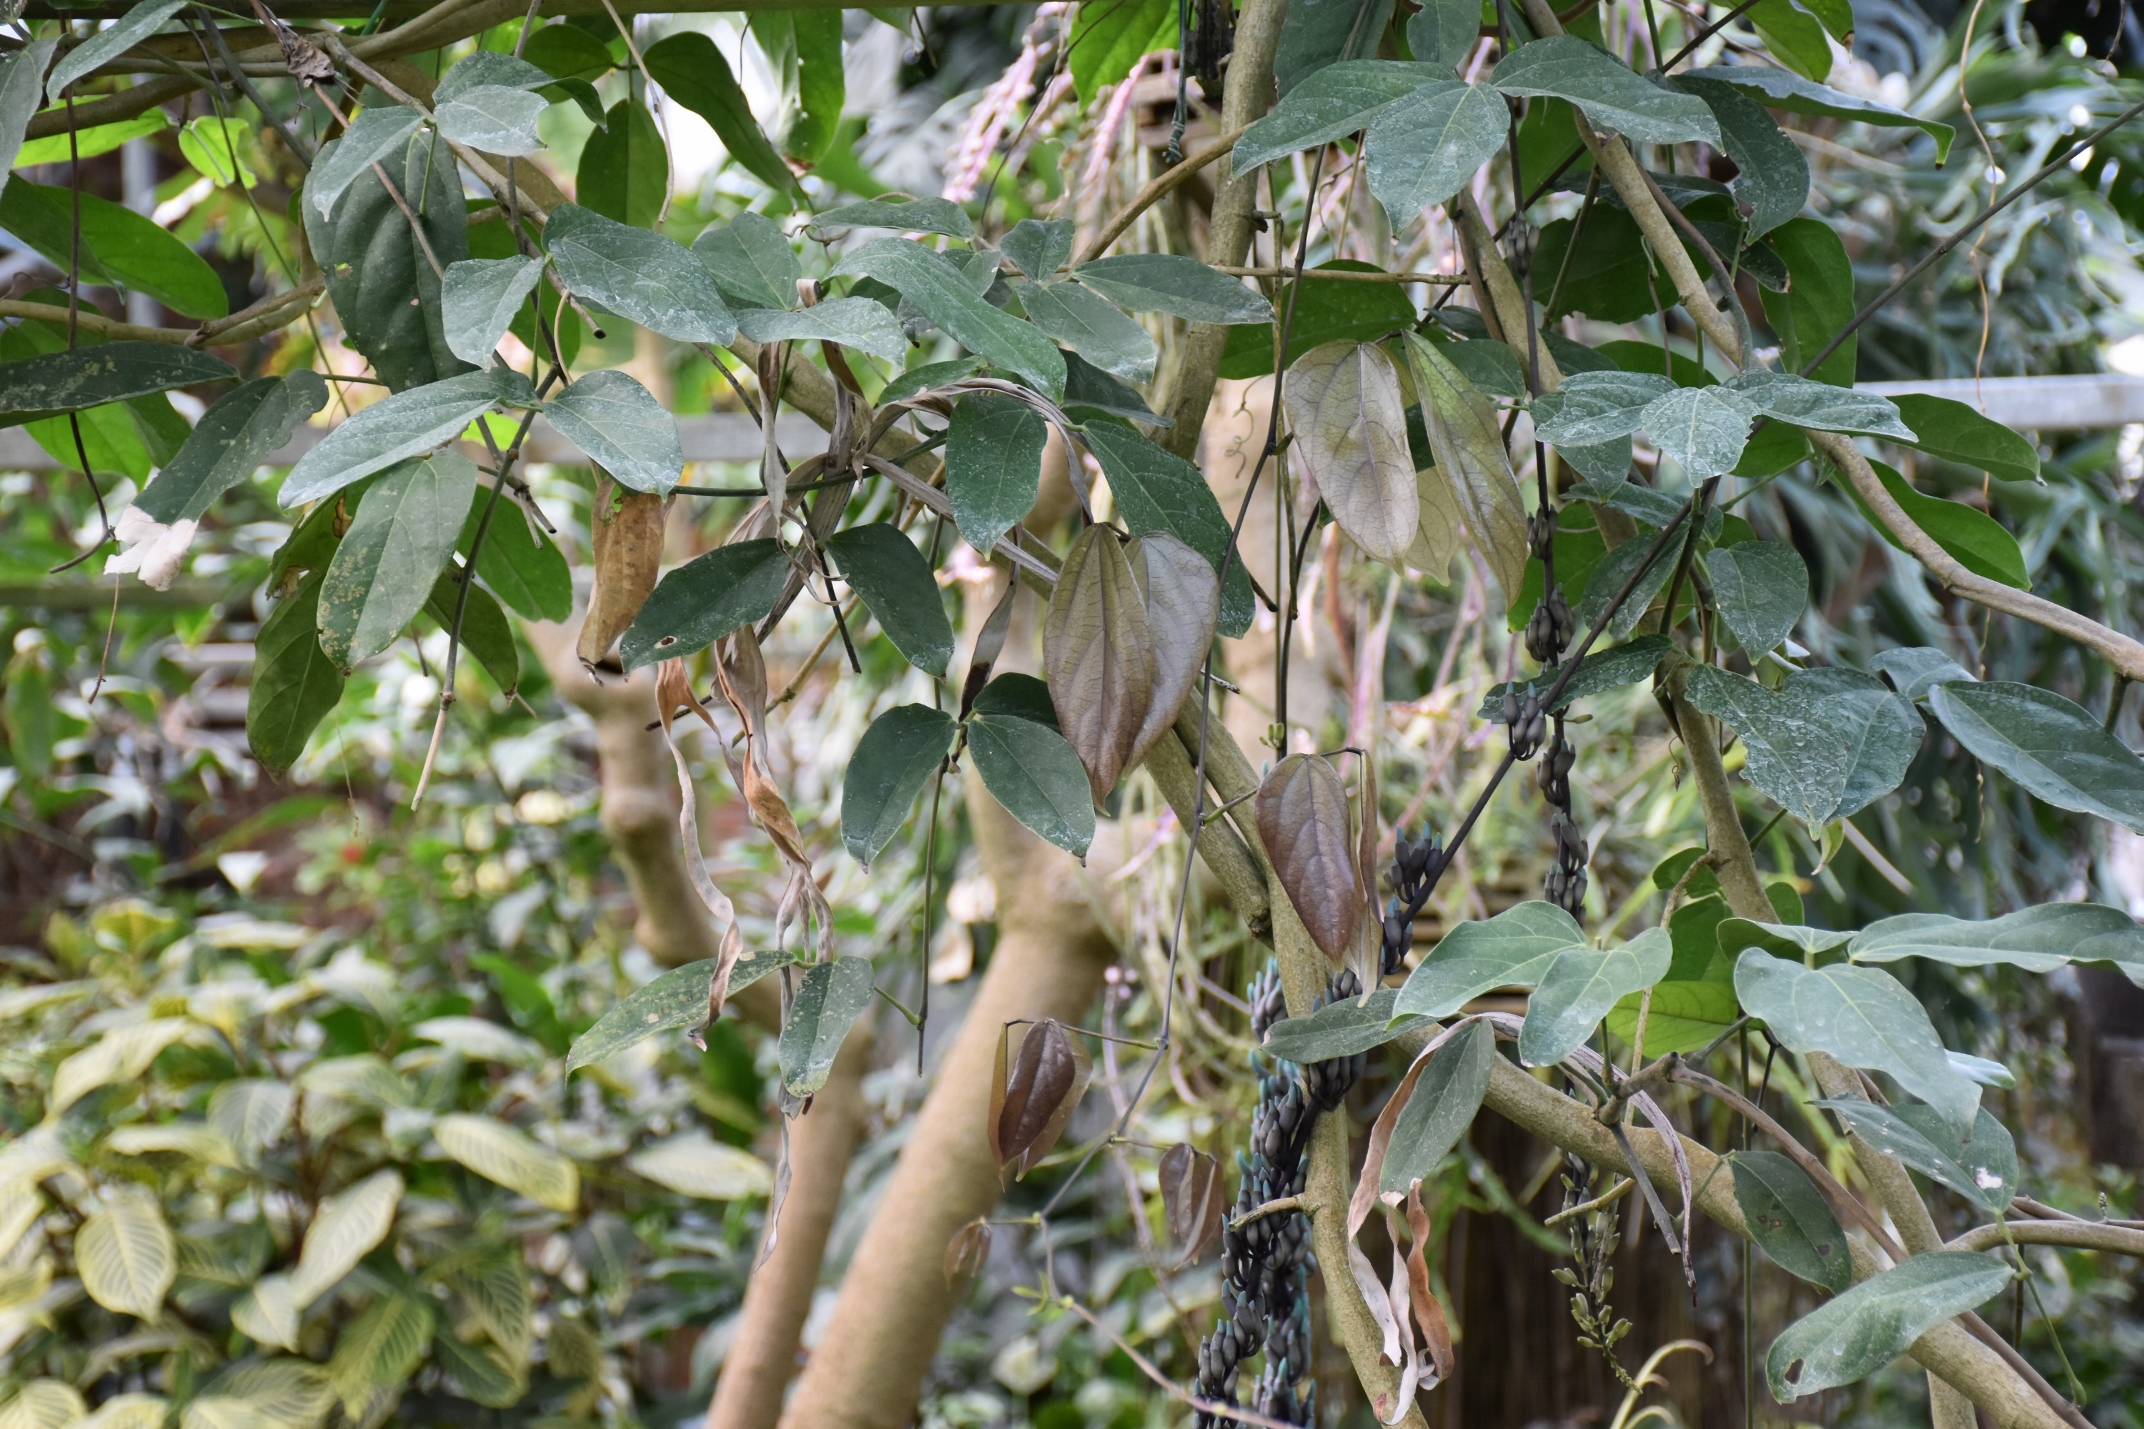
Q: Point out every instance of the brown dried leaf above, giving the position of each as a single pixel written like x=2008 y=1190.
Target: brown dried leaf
x=1048 y=1077
x=1099 y=652
x=305 y=63
x=1183 y=606
x=743 y=678
x=627 y=530
x=1350 y=424
x=673 y=691
x=1436 y=540
x=1192 y=1199
x=1428 y=1313
x=1472 y=458
x=965 y=1254
x=1302 y=816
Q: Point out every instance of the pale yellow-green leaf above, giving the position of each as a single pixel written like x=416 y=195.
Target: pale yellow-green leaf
x=252 y=1113
x=349 y=1225
x=380 y=1348
x=1350 y=426
x=363 y=1079
x=188 y=1138
x=44 y=1404
x=32 y=1157
x=495 y=1288
x=1183 y=605
x=223 y=1411
x=1436 y=539
x=697 y=1165
x=500 y=1154
x=21 y=1203
x=126 y=1255
x=23 y=1001
x=267 y=1313
x=483 y=1372
x=25 y=1284
x=572 y=1350
x=1472 y=458
x=121 y=1055
x=1099 y=653
x=289 y=1393
x=130 y=1411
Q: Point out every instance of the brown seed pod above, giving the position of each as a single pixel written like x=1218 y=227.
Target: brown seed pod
x=1192 y=1199
x=628 y=537
x=1034 y=1092
x=1302 y=816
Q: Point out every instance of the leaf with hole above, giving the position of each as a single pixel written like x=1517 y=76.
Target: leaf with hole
x=1156 y=490
x=705 y=599
x=677 y=999
x=1350 y=425
x=1428 y=145
x=1790 y=1220
x=1303 y=820
x=884 y=567
x=1175 y=284
x=893 y=762
x=383 y=568
x=1512 y=949
x=1472 y=461
x=1580 y=985
x=1851 y=1337
x=751 y=260
x=946 y=297
x=641 y=276
x=2055 y=749
x=993 y=464
x=623 y=429
x=1030 y=769
x=1447 y=1093
x=1613 y=96
x=511 y=1158
x=1762 y=588
x=829 y=998
x=1982 y=1167
x=1774 y=176
x=2038 y=939
x=694 y=73
x=851 y=322
x=295 y=683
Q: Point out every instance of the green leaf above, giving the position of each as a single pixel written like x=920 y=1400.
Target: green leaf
x=1339 y=1029
x=481 y=1372
x=1853 y=1336
x=1700 y=429
x=1033 y=772
x=379 y=277
x=481 y=298
x=1861 y=1016
x=675 y=1000
x=485 y=633
x=381 y=1348
x=1779 y=89
x=993 y=464
x=384 y=568
x=493 y=118
x=624 y=173
x=829 y=998
x=1606 y=277
x=1445 y=1100
x=2038 y=939
x=902 y=215
x=1156 y=490
x=693 y=72
x=231 y=441
x=565 y=51
x=1794 y=37
x=126 y=1255
x=104 y=372
x=405 y=425
x=1917 y=669
x=109 y=44
x=1513 y=949
x=1019 y=697
x=1039 y=247
x=803 y=49
x=945 y=296
x=1316 y=33
x=90 y=143
x=1982 y=1168
x=489 y=69
x=373 y=136
x=1172 y=283
x=295 y=684
x=1091 y=326
x=853 y=322
x=1952 y=431
x=623 y=429
x=1820 y=298
x=1427 y=146
x=705 y=599
x=1825 y=745
x=1685 y=1015
x=520 y=563
x=1443 y=32
x=22 y=73
x=1608 y=669
x=510 y=1158
x=885 y=568
x=751 y=260
x=1606 y=578
x=1595 y=407
x=1789 y=940
x=1338 y=101
x=1580 y=985
x=1790 y=1220
x=1612 y=95
x=641 y=276
x=2054 y=748
x=1973 y=538
x=1324 y=310
x=1774 y=176
x=1110 y=36
x=1473 y=462
x=1089 y=391
x=893 y=761
x=1817 y=405
x=1762 y=588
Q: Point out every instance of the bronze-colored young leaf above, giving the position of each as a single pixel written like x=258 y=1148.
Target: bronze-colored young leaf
x=1033 y=1101
x=1192 y=1198
x=1100 y=654
x=1302 y=816
x=1472 y=460
x=1436 y=540
x=1183 y=605
x=965 y=1254
x=627 y=531
x=1350 y=425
